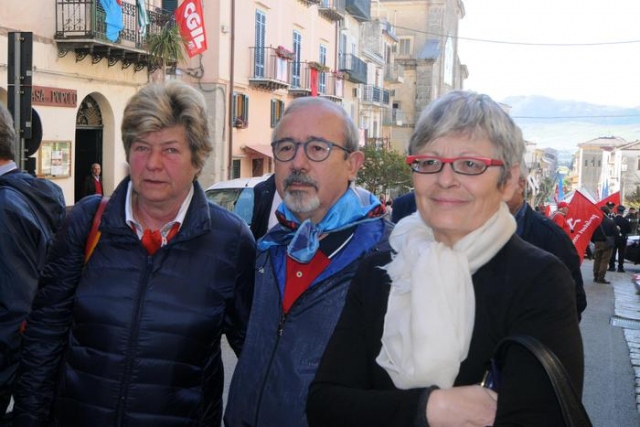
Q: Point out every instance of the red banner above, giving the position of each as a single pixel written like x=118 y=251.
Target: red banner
x=615 y=198
x=190 y=20
x=313 y=81
x=583 y=217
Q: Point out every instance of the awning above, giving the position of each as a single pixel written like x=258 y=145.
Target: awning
x=261 y=149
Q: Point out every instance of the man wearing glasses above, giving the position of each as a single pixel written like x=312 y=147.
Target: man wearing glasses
x=305 y=263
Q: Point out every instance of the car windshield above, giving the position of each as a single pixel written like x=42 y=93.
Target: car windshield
x=236 y=200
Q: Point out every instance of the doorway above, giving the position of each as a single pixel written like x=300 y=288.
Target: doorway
x=88 y=147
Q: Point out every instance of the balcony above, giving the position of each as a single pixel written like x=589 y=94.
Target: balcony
x=360 y=9
x=331 y=86
x=268 y=70
x=355 y=68
x=333 y=10
x=81 y=28
x=393 y=117
x=394 y=73
x=299 y=83
x=379 y=143
x=371 y=94
x=310 y=2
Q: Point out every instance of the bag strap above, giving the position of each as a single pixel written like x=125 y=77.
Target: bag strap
x=94 y=234
x=573 y=411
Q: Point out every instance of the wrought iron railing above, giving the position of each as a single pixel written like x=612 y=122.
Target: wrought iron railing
x=355 y=67
x=85 y=19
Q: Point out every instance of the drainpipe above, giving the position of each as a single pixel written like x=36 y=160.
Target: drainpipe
x=231 y=85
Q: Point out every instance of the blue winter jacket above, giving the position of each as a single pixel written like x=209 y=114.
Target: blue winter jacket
x=132 y=339
x=31 y=211
x=282 y=352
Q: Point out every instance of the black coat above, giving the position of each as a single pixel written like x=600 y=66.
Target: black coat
x=89 y=186
x=403 y=206
x=521 y=290
x=542 y=232
x=263 y=194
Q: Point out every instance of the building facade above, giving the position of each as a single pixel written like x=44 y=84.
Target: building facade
x=261 y=55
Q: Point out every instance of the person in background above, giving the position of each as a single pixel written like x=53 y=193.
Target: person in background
x=611 y=206
x=93 y=182
x=132 y=336
x=265 y=202
x=632 y=216
x=403 y=206
x=603 y=239
x=620 y=248
x=419 y=326
x=540 y=231
x=305 y=263
x=560 y=217
x=31 y=212
x=388 y=209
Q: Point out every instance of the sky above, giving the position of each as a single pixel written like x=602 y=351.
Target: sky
x=602 y=75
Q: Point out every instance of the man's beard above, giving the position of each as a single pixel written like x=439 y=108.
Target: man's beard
x=299 y=201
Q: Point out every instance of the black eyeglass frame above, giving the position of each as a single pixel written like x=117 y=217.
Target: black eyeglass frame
x=486 y=161
x=330 y=145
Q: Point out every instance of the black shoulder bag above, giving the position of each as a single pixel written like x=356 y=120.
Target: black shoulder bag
x=573 y=411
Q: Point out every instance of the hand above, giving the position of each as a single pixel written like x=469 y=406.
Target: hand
x=466 y=406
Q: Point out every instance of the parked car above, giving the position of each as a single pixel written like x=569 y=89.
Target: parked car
x=236 y=195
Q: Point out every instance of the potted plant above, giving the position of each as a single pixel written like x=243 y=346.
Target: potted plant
x=283 y=52
x=318 y=66
x=166 y=48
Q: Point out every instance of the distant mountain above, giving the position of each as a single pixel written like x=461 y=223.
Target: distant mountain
x=565 y=124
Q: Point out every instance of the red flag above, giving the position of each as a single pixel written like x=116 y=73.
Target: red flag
x=583 y=217
x=615 y=198
x=190 y=20
x=313 y=79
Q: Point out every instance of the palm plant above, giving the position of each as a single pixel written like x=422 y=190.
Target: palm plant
x=166 y=48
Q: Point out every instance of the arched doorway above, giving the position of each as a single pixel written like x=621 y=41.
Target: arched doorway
x=88 y=142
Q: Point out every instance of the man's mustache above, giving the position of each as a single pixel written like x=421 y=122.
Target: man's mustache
x=299 y=178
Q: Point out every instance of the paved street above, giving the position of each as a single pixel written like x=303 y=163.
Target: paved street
x=612 y=384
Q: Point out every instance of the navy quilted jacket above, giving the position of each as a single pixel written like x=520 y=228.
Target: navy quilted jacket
x=133 y=339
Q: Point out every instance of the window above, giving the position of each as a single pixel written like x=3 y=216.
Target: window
x=404 y=46
x=169 y=5
x=638 y=164
x=240 y=110
x=277 y=109
x=297 y=45
x=322 y=77
x=235 y=168
x=260 y=54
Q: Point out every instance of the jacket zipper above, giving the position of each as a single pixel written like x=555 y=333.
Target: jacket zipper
x=133 y=338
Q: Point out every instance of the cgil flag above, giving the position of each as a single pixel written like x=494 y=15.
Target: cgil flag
x=189 y=18
x=615 y=198
x=583 y=217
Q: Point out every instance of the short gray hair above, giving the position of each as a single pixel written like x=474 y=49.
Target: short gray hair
x=8 y=136
x=158 y=106
x=474 y=114
x=350 y=130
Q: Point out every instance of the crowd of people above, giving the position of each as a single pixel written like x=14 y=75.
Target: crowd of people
x=343 y=309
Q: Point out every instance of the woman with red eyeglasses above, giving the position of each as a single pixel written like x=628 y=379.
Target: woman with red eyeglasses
x=421 y=322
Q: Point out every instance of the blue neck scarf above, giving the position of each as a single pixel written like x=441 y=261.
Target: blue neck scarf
x=303 y=239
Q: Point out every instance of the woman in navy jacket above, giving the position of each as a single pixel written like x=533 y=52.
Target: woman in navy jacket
x=132 y=337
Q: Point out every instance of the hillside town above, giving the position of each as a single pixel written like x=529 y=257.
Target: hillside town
x=84 y=82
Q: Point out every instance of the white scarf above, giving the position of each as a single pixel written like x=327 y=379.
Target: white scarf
x=431 y=308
